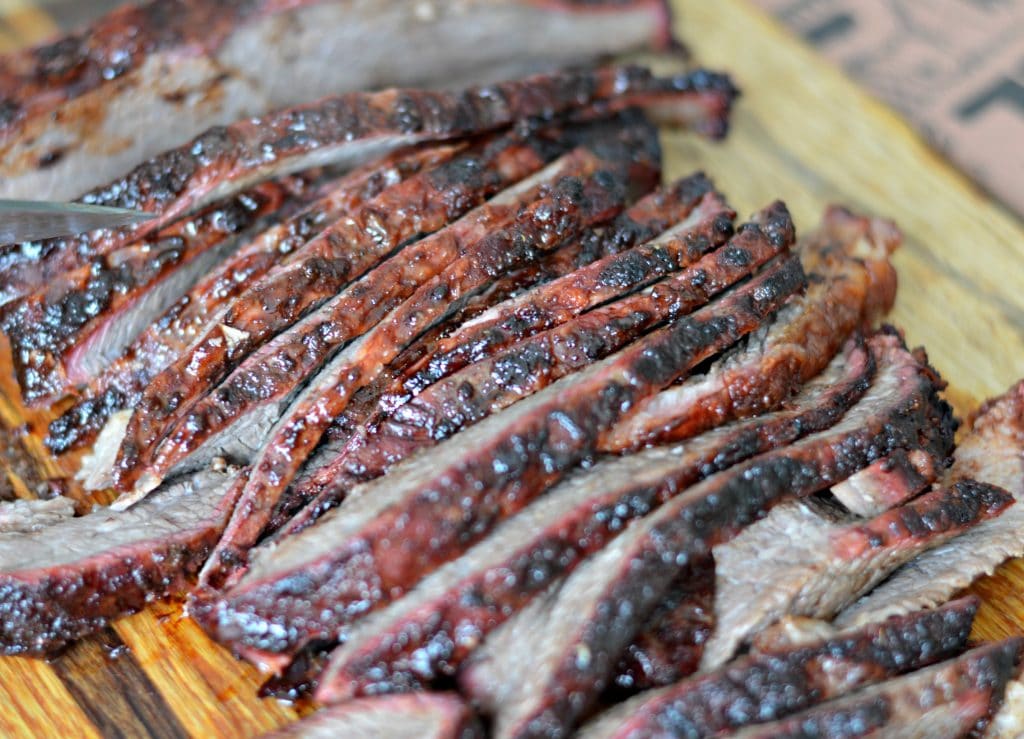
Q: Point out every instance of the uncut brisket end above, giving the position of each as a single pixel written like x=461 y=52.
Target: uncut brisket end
x=992 y=451
x=767 y=686
x=66 y=332
x=413 y=716
x=531 y=364
x=72 y=578
x=431 y=629
x=799 y=562
x=341 y=253
x=120 y=386
x=471 y=481
x=571 y=206
x=946 y=700
x=851 y=285
x=603 y=604
x=82 y=109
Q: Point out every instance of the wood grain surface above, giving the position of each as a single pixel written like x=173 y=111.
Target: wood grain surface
x=802 y=132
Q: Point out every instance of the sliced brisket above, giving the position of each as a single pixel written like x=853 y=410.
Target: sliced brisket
x=414 y=716
x=120 y=386
x=704 y=227
x=579 y=633
x=438 y=623
x=670 y=645
x=699 y=231
x=851 y=285
x=993 y=451
x=68 y=331
x=572 y=205
x=802 y=561
x=71 y=109
x=72 y=578
x=354 y=128
x=946 y=700
x=432 y=507
x=767 y=686
x=491 y=384
x=473 y=594
x=420 y=205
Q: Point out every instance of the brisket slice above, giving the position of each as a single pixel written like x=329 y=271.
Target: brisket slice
x=993 y=451
x=705 y=227
x=494 y=383
x=851 y=285
x=579 y=633
x=356 y=127
x=804 y=562
x=72 y=578
x=670 y=645
x=432 y=507
x=767 y=686
x=413 y=716
x=573 y=205
x=120 y=386
x=946 y=700
x=70 y=329
x=430 y=630
x=422 y=204
x=180 y=66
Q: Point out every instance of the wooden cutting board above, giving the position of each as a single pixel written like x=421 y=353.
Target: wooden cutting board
x=802 y=132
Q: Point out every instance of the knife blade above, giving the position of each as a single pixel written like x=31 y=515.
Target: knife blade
x=30 y=220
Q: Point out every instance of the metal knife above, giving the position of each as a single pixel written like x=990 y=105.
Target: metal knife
x=30 y=220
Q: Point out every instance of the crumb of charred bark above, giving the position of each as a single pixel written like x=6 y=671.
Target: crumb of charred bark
x=77 y=424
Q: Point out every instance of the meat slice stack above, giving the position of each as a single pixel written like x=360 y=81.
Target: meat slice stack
x=438 y=391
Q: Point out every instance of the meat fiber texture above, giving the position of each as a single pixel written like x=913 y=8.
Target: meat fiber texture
x=348 y=130
x=946 y=700
x=579 y=633
x=475 y=480
x=83 y=108
x=560 y=215
x=414 y=716
x=495 y=382
x=768 y=685
x=798 y=562
x=72 y=577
